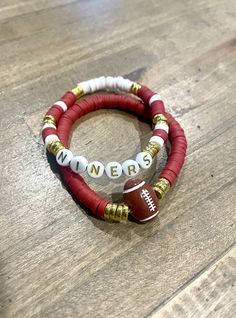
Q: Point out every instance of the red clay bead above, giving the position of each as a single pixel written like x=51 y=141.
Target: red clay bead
x=141 y=199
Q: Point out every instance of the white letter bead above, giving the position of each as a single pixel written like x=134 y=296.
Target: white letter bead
x=95 y=169
x=64 y=157
x=144 y=159
x=113 y=170
x=158 y=140
x=130 y=168
x=78 y=164
x=154 y=98
x=162 y=126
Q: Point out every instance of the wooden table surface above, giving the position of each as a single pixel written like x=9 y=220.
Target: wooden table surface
x=55 y=260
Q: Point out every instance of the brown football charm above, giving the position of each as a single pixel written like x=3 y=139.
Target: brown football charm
x=141 y=199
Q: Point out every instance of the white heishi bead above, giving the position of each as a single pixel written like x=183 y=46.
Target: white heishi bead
x=119 y=83
x=85 y=87
x=109 y=82
x=95 y=169
x=62 y=105
x=123 y=84
x=93 y=85
x=64 y=157
x=78 y=164
x=102 y=81
x=127 y=85
x=158 y=140
x=154 y=98
x=98 y=83
x=113 y=170
x=144 y=159
x=49 y=126
x=50 y=138
x=115 y=82
x=162 y=126
x=130 y=168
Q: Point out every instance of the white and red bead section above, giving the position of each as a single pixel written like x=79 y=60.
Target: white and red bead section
x=78 y=164
x=130 y=168
x=141 y=199
x=154 y=98
x=113 y=170
x=144 y=159
x=64 y=157
x=162 y=126
x=47 y=125
x=95 y=169
x=61 y=104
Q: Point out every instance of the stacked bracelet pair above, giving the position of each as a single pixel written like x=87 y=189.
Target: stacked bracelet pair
x=141 y=200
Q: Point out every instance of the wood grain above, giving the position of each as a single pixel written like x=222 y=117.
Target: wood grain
x=209 y=295
x=57 y=261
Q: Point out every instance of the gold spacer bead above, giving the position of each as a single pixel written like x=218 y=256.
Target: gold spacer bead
x=49 y=119
x=135 y=87
x=107 y=209
x=119 y=212
x=161 y=187
x=159 y=118
x=125 y=212
x=153 y=148
x=54 y=147
x=112 y=211
x=116 y=212
x=78 y=91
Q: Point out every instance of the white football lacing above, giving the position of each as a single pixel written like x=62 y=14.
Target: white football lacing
x=148 y=199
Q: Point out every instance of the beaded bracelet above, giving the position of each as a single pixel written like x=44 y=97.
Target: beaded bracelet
x=141 y=200
x=113 y=170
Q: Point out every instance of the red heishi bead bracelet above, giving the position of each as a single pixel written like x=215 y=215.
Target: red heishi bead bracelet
x=98 y=205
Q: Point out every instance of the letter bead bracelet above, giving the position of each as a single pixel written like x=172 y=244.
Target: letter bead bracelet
x=140 y=199
x=113 y=170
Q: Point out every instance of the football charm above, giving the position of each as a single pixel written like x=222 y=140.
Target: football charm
x=141 y=199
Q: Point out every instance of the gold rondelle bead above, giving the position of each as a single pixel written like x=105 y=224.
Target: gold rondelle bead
x=78 y=91
x=125 y=212
x=161 y=187
x=113 y=209
x=116 y=212
x=107 y=211
x=110 y=211
x=49 y=119
x=158 y=118
x=135 y=87
x=153 y=148
x=54 y=147
x=119 y=211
